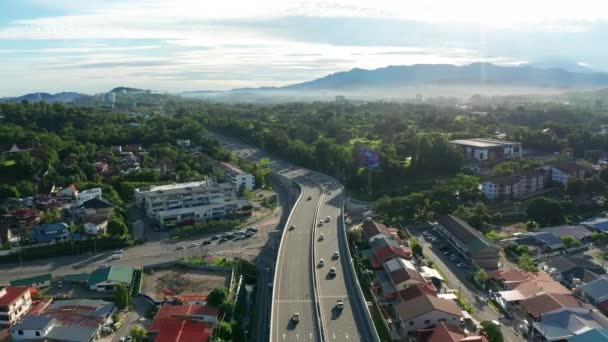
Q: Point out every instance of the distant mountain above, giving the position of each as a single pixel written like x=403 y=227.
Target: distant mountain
x=441 y=74
x=46 y=97
x=127 y=90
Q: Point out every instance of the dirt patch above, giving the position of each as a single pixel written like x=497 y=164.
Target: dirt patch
x=518 y=227
x=182 y=281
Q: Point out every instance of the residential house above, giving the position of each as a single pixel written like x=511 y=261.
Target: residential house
x=15 y=150
x=574 y=270
x=183 y=323
x=39 y=281
x=235 y=176
x=488 y=150
x=50 y=233
x=425 y=311
x=15 y=302
x=468 y=241
x=384 y=249
x=95 y=225
x=106 y=279
x=375 y=230
x=403 y=273
x=593 y=335
x=515 y=286
x=443 y=332
x=96 y=207
x=547 y=241
x=88 y=195
x=598 y=224
x=23 y=218
x=74 y=320
x=32 y=328
x=563 y=324
x=596 y=292
x=68 y=193
x=535 y=307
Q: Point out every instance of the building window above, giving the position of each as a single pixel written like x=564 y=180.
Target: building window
x=411 y=322
x=428 y=321
x=20 y=332
x=37 y=333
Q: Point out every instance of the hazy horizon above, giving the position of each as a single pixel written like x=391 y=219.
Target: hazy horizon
x=53 y=46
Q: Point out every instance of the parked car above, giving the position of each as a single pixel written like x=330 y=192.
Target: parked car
x=252 y=230
x=206 y=242
x=214 y=237
x=461 y=265
x=116 y=256
x=117 y=251
x=194 y=244
x=178 y=247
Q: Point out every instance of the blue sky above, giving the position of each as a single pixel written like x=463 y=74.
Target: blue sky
x=92 y=46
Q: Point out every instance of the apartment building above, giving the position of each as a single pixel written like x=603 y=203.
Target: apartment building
x=235 y=176
x=516 y=186
x=488 y=150
x=189 y=202
x=15 y=302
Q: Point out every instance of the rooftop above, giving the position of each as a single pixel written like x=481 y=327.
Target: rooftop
x=181 y=188
x=11 y=293
x=544 y=303
x=118 y=274
x=566 y=323
x=79 y=312
x=32 y=280
x=232 y=168
x=484 y=143
x=96 y=203
x=597 y=289
x=471 y=237
x=33 y=322
x=593 y=335
x=599 y=223
x=424 y=304
x=173 y=323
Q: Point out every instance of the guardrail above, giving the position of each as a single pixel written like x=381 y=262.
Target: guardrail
x=314 y=266
x=283 y=235
x=373 y=334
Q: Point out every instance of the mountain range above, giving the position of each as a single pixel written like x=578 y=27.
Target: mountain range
x=401 y=81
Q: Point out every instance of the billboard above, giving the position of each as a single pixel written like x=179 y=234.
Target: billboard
x=368 y=158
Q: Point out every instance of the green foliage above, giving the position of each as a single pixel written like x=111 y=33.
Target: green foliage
x=121 y=296
x=415 y=246
x=117 y=227
x=138 y=333
x=492 y=331
x=570 y=241
x=480 y=276
x=526 y=264
x=545 y=211
x=495 y=236
x=575 y=186
x=217 y=296
x=116 y=318
x=51 y=216
x=226 y=309
x=354 y=236
x=223 y=331
x=600 y=239
x=477 y=215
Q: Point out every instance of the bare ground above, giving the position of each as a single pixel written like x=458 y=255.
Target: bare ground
x=182 y=281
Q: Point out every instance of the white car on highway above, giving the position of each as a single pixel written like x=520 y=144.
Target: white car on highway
x=336 y=255
x=332 y=271
x=116 y=256
x=328 y=218
x=321 y=262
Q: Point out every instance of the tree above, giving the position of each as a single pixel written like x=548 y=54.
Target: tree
x=117 y=227
x=545 y=211
x=526 y=264
x=217 y=296
x=476 y=215
x=570 y=241
x=138 y=333
x=600 y=239
x=492 y=331
x=51 y=216
x=223 y=331
x=575 y=187
x=226 y=309
x=415 y=246
x=481 y=276
x=121 y=296
x=604 y=174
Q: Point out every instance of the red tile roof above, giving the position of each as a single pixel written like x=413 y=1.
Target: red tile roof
x=389 y=252
x=25 y=214
x=172 y=323
x=12 y=293
x=415 y=291
x=372 y=228
x=546 y=302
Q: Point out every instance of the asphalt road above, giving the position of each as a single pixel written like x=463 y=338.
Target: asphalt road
x=146 y=254
x=293 y=290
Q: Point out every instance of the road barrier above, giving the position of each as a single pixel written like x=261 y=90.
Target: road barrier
x=315 y=291
x=373 y=334
x=283 y=235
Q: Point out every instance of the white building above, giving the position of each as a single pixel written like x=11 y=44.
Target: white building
x=236 y=176
x=175 y=203
x=95 y=225
x=491 y=150
x=88 y=194
x=15 y=302
x=33 y=328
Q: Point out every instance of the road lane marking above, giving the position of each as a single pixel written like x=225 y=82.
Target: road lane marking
x=292 y=301
x=346 y=335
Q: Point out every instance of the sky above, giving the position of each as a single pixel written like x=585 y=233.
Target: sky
x=183 y=45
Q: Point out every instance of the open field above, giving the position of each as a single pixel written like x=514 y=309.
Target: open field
x=183 y=281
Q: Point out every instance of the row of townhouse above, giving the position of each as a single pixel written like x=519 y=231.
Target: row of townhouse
x=547 y=310
x=420 y=313
x=529 y=182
